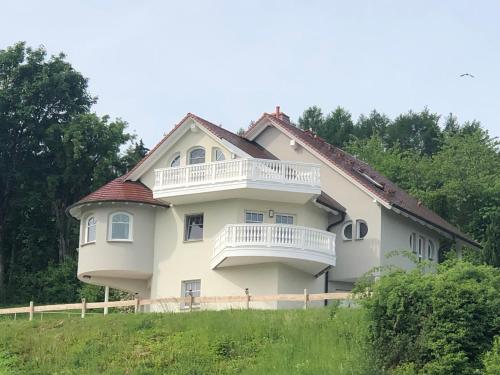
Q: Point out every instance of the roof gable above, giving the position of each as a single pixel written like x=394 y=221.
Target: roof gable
x=235 y=143
x=361 y=174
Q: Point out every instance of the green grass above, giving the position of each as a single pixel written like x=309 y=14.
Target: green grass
x=317 y=341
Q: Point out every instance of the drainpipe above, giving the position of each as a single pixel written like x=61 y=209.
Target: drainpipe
x=328 y=228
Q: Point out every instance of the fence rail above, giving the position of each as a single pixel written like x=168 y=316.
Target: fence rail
x=189 y=301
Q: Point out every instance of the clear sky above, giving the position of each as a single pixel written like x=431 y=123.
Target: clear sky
x=151 y=62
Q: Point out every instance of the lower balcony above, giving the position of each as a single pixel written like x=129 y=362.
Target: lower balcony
x=308 y=249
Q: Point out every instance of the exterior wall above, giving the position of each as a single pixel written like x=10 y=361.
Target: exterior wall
x=293 y=281
x=396 y=231
x=355 y=257
x=176 y=260
x=185 y=144
x=125 y=265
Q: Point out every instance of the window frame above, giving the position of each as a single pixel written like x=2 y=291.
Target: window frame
x=358 y=229
x=189 y=159
x=421 y=249
x=215 y=150
x=254 y=212
x=186 y=227
x=432 y=247
x=130 y=227
x=413 y=242
x=86 y=232
x=185 y=292
x=346 y=224
x=276 y=215
x=177 y=156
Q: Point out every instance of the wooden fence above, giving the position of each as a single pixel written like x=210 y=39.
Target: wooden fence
x=188 y=301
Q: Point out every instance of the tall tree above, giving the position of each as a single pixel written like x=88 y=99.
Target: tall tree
x=36 y=92
x=416 y=131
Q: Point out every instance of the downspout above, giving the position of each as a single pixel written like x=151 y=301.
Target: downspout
x=342 y=218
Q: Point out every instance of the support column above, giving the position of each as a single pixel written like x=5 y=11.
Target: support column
x=106 y=299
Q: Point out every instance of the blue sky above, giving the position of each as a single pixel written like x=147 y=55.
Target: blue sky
x=228 y=61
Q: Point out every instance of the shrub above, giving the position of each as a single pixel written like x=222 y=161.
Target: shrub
x=438 y=322
x=492 y=359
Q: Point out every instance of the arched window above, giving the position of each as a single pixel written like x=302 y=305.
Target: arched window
x=90 y=232
x=120 y=227
x=176 y=161
x=430 y=250
x=218 y=155
x=361 y=229
x=347 y=231
x=420 y=248
x=197 y=156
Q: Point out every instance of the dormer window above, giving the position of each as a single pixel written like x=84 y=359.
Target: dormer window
x=176 y=161
x=197 y=155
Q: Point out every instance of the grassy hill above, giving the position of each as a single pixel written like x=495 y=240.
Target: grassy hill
x=317 y=341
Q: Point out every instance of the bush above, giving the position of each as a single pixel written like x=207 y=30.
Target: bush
x=492 y=359
x=435 y=322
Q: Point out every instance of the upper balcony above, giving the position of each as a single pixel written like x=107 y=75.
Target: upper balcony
x=308 y=249
x=283 y=181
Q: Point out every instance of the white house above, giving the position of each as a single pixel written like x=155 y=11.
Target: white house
x=276 y=210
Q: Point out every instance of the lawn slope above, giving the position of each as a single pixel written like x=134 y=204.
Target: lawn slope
x=317 y=341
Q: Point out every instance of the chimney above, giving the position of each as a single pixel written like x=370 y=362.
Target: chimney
x=280 y=115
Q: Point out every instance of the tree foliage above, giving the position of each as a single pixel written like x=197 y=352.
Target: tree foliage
x=53 y=151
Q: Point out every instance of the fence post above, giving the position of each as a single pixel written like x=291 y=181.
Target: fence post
x=32 y=309
x=190 y=300
x=306 y=299
x=247 y=293
x=136 y=306
x=84 y=307
x=106 y=299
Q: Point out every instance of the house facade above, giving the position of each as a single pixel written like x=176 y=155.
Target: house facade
x=276 y=210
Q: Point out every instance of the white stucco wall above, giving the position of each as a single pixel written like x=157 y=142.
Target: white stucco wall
x=126 y=265
x=177 y=260
x=396 y=231
x=355 y=257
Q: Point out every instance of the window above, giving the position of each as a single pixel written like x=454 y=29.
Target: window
x=194 y=227
x=193 y=287
x=347 y=231
x=254 y=217
x=218 y=155
x=197 y=156
x=176 y=161
x=90 y=234
x=121 y=227
x=430 y=250
x=284 y=219
x=420 y=248
x=361 y=229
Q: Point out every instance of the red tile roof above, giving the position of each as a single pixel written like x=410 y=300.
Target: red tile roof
x=375 y=182
x=120 y=190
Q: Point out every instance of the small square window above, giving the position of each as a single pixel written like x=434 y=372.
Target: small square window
x=194 y=227
x=254 y=217
x=284 y=219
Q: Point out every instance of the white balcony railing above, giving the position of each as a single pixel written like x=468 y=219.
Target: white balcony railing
x=275 y=236
x=237 y=170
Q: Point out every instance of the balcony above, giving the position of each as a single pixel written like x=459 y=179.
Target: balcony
x=240 y=178
x=308 y=249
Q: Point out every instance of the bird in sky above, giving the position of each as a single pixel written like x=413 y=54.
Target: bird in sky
x=466 y=75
